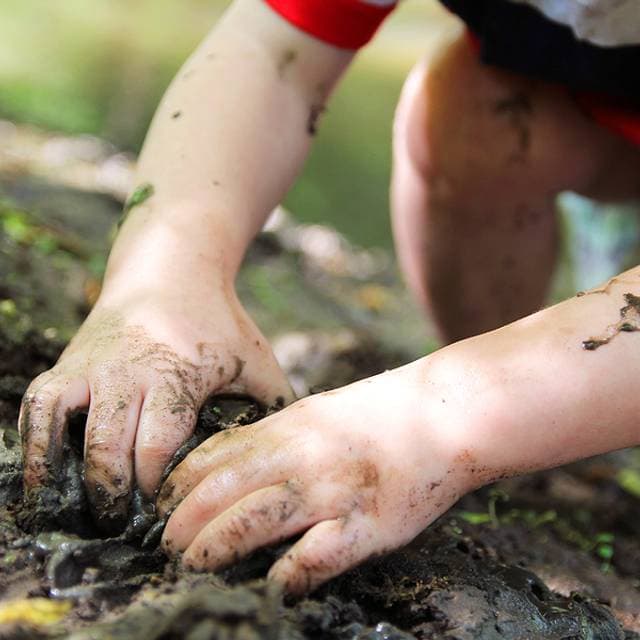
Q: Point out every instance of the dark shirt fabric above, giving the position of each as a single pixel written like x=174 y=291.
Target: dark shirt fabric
x=520 y=38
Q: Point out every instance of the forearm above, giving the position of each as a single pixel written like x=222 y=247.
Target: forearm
x=225 y=144
x=531 y=396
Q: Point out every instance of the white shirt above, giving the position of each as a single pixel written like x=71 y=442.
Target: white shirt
x=602 y=22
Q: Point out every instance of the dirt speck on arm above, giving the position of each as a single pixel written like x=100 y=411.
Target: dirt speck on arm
x=314 y=115
x=629 y=322
x=287 y=58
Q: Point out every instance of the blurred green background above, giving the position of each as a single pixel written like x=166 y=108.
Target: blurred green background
x=100 y=67
x=84 y=66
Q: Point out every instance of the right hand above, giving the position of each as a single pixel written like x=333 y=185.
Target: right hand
x=143 y=366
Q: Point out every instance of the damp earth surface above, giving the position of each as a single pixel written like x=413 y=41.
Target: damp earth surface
x=552 y=555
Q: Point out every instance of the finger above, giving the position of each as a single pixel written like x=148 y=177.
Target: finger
x=43 y=416
x=220 y=490
x=109 y=438
x=262 y=518
x=326 y=550
x=214 y=452
x=167 y=419
x=260 y=375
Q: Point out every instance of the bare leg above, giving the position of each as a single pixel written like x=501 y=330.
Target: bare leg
x=479 y=157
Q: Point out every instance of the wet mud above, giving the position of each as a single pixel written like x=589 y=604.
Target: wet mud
x=471 y=575
x=628 y=323
x=560 y=558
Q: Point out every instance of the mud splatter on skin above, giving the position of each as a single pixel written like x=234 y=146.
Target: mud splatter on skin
x=230 y=537
x=368 y=474
x=517 y=109
x=287 y=59
x=182 y=388
x=629 y=322
x=108 y=507
x=607 y=287
x=220 y=414
x=314 y=115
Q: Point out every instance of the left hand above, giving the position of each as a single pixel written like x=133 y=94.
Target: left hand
x=362 y=470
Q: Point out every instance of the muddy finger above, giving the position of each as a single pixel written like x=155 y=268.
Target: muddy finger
x=263 y=518
x=262 y=378
x=219 y=491
x=167 y=419
x=110 y=434
x=325 y=551
x=215 y=452
x=44 y=413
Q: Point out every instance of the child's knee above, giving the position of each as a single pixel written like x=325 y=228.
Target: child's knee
x=435 y=132
x=471 y=131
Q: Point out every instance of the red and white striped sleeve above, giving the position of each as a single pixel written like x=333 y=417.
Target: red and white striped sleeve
x=348 y=24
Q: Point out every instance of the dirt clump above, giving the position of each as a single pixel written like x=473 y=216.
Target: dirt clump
x=457 y=580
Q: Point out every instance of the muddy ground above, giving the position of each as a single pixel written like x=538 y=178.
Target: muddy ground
x=551 y=555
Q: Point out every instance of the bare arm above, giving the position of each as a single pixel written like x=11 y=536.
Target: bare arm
x=227 y=141
x=559 y=385
x=365 y=468
x=168 y=331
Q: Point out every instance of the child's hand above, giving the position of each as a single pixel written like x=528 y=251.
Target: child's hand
x=143 y=367
x=362 y=470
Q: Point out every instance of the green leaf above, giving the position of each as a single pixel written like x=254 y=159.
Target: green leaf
x=475 y=518
x=140 y=195
x=605 y=537
x=605 y=551
x=629 y=480
x=16 y=226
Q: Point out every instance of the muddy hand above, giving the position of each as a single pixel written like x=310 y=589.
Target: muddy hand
x=356 y=469
x=142 y=370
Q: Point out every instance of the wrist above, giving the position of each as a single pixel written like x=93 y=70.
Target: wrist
x=186 y=253
x=464 y=407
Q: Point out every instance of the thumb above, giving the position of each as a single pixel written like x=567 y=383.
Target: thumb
x=260 y=376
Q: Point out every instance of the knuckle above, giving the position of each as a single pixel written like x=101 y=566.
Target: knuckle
x=169 y=496
x=36 y=396
x=102 y=453
x=174 y=489
x=313 y=445
x=234 y=533
x=199 y=500
x=195 y=461
x=42 y=379
x=99 y=455
x=155 y=452
x=104 y=439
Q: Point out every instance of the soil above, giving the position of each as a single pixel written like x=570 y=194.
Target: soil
x=527 y=568
x=553 y=555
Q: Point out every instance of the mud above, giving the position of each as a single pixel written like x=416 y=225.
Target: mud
x=315 y=112
x=288 y=57
x=629 y=322
x=457 y=580
x=554 y=555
